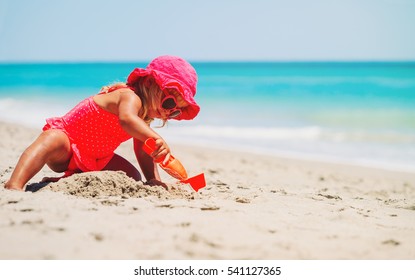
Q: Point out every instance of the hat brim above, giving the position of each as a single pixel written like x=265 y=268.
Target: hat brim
x=166 y=81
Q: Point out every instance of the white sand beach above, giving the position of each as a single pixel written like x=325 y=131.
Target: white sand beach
x=253 y=207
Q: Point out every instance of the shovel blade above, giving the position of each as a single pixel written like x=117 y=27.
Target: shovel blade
x=197 y=182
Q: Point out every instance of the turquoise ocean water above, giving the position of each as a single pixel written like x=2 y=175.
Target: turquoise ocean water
x=360 y=113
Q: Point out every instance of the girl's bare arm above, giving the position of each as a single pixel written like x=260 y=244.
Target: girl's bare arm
x=129 y=106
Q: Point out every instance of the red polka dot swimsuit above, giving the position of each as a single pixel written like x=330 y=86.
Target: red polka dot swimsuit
x=94 y=135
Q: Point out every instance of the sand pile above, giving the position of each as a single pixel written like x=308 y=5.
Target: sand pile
x=115 y=184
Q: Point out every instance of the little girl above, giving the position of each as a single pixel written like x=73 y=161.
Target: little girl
x=86 y=137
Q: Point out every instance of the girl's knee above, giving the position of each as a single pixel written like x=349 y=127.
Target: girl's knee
x=135 y=174
x=130 y=171
x=56 y=144
x=54 y=139
x=54 y=135
x=118 y=163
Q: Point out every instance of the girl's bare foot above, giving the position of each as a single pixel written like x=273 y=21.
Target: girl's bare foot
x=13 y=188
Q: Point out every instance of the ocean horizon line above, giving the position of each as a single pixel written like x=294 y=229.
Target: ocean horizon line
x=214 y=62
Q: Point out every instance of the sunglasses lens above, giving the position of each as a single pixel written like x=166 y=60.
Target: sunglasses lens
x=168 y=103
x=175 y=114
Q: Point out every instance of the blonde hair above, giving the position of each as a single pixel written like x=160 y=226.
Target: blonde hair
x=150 y=94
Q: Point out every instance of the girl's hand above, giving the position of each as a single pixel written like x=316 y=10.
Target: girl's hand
x=155 y=182
x=162 y=150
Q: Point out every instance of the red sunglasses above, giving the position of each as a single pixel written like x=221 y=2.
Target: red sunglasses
x=169 y=103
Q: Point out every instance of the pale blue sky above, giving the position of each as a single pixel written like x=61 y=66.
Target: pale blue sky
x=128 y=30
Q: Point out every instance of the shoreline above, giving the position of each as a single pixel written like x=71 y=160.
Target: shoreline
x=253 y=207
x=303 y=157
x=238 y=149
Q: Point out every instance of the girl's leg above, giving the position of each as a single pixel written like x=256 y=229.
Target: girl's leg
x=118 y=163
x=52 y=147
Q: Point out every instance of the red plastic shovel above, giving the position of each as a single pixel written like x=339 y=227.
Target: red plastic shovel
x=197 y=182
x=175 y=168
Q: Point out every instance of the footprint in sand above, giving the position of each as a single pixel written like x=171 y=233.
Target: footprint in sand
x=184 y=225
x=195 y=238
x=410 y=207
x=32 y=222
x=97 y=236
x=391 y=242
x=26 y=210
x=12 y=202
x=210 y=208
x=328 y=196
x=242 y=200
x=281 y=191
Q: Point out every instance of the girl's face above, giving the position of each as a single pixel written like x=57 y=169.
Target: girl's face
x=169 y=107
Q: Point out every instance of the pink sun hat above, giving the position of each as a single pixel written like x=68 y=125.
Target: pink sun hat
x=172 y=72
